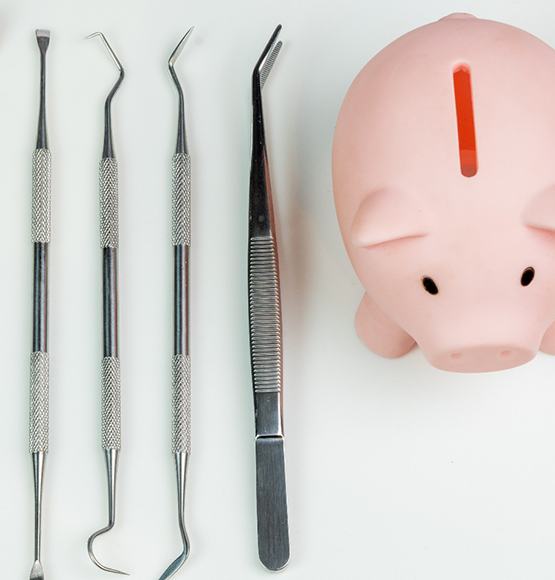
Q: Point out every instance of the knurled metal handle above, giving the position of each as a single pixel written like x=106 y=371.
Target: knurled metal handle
x=40 y=228
x=181 y=423
x=111 y=403
x=38 y=410
x=181 y=199
x=109 y=221
x=265 y=315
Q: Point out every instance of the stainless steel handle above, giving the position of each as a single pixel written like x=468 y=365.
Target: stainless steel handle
x=39 y=413
x=40 y=229
x=265 y=334
x=39 y=367
x=40 y=235
x=181 y=199
x=181 y=238
x=181 y=403
x=111 y=403
x=109 y=203
x=109 y=239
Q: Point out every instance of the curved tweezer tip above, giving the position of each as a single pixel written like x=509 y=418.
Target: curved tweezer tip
x=267 y=58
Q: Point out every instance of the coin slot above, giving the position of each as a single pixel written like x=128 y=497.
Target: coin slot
x=465 y=121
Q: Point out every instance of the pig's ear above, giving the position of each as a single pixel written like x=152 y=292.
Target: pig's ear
x=387 y=215
x=540 y=211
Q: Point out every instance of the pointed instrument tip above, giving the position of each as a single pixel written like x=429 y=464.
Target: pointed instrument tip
x=41 y=33
x=110 y=50
x=177 y=50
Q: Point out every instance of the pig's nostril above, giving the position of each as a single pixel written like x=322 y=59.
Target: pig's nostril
x=488 y=356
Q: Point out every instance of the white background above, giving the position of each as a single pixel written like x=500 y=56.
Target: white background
x=396 y=471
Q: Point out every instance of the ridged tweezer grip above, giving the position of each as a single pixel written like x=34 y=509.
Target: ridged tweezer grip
x=109 y=220
x=111 y=403
x=181 y=424
x=38 y=415
x=181 y=199
x=40 y=229
x=265 y=315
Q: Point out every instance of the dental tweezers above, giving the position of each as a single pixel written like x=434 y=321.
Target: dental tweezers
x=266 y=336
x=109 y=241
x=181 y=364
x=40 y=231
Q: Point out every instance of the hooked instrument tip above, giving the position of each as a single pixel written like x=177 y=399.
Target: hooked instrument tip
x=111 y=52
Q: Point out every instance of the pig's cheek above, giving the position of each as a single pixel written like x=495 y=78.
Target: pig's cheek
x=394 y=267
x=379 y=273
x=394 y=285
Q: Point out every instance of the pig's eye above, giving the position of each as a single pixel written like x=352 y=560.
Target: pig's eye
x=429 y=285
x=527 y=276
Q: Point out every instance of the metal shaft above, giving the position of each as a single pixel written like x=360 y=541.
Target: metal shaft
x=181 y=364
x=39 y=383
x=109 y=242
x=109 y=237
x=181 y=435
x=111 y=380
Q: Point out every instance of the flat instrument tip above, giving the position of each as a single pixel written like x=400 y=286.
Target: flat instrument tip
x=43 y=39
x=37 y=573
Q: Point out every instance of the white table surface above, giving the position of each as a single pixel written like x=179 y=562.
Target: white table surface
x=396 y=471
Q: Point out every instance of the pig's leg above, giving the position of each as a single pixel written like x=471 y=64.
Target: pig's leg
x=380 y=333
x=548 y=341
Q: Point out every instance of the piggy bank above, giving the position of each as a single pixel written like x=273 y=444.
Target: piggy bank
x=444 y=185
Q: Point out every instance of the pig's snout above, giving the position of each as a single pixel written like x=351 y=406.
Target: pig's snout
x=477 y=359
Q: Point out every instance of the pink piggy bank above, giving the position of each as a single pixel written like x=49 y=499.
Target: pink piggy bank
x=444 y=183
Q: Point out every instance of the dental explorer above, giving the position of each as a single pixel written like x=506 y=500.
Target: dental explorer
x=181 y=367
x=266 y=336
x=40 y=232
x=109 y=238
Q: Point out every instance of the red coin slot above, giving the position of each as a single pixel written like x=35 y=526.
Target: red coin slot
x=465 y=121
